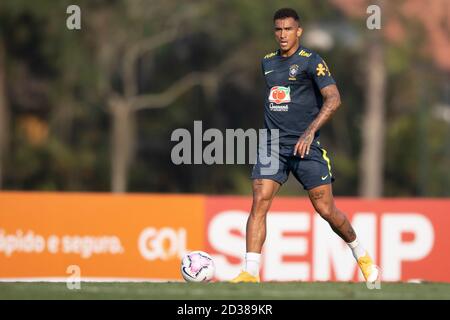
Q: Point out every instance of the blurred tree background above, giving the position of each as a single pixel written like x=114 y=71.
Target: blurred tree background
x=94 y=109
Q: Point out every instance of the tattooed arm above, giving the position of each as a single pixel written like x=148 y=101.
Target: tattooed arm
x=331 y=102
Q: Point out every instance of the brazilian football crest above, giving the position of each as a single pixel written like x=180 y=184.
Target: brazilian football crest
x=293 y=69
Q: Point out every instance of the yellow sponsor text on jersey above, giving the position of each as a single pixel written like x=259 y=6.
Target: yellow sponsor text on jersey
x=326 y=68
x=270 y=55
x=303 y=53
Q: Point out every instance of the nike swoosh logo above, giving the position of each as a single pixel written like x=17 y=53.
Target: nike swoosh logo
x=323 y=178
x=267 y=72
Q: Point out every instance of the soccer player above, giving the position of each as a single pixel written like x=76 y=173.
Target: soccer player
x=301 y=96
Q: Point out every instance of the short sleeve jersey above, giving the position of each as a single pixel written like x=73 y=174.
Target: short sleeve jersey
x=293 y=97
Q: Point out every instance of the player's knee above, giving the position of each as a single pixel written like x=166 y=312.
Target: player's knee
x=261 y=202
x=326 y=212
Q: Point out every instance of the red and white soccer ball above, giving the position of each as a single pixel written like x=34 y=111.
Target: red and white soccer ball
x=197 y=266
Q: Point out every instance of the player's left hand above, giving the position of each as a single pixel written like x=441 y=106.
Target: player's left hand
x=304 y=143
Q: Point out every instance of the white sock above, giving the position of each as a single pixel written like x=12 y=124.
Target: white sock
x=252 y=260
x=357 y=249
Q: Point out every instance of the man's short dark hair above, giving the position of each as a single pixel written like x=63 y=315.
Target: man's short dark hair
x=286 y=13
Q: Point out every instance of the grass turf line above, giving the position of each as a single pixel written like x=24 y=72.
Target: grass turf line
x=220 y=290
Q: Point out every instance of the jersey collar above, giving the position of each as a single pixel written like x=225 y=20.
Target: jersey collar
x=287 y=58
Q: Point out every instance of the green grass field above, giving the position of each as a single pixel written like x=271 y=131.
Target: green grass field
x=218 y=291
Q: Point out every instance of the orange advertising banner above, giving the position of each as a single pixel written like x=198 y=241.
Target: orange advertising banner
x=101 y=236
x=52 y=236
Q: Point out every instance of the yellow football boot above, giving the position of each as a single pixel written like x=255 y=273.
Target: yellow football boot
x=370 y=271
x=244 y=276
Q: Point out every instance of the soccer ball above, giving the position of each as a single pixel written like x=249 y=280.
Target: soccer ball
x=197 y=266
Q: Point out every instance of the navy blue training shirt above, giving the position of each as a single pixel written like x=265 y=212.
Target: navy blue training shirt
x=293 y=97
